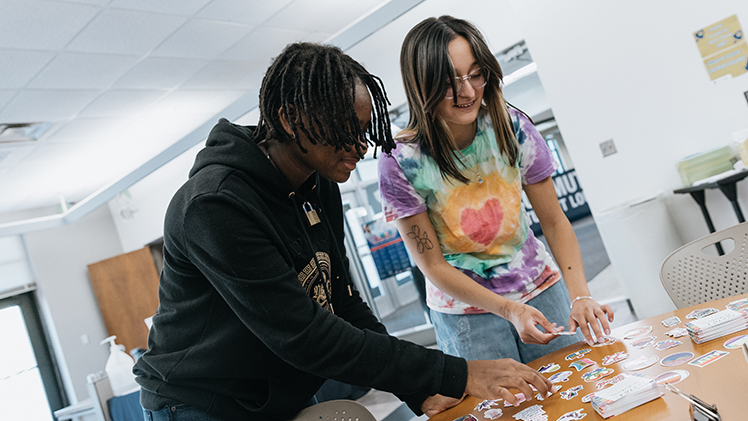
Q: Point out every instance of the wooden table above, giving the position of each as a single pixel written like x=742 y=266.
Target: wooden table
x=723 y=382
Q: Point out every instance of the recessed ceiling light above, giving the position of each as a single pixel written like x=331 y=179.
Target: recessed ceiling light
x=22 y=132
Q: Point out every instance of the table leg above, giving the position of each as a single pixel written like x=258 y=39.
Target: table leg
x=732 y=195
x=699 y=197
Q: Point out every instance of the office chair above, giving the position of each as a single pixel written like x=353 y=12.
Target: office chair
x=690 y=276
x=337 y=410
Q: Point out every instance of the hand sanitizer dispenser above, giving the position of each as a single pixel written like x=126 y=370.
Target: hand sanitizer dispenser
x=119 y=368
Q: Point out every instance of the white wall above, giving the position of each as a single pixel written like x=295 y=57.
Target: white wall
x=138 y=213
x=59 y=259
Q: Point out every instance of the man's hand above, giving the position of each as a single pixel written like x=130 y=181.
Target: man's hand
x=491 y=379
x=438 y=403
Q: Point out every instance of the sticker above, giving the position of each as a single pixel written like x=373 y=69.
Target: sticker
x=614 y=358
x=532 y=413
x=736 y=342
x=492 y=414
x=555 y=388
x=549 y=368
x=578 y=354
x=560 y=377
x=643 y=342
x=640 y=331
x=582 y=363
x=708 y=358
x=736 y=305
x=671 y=321
x=571 y=392
x=677 y=332
x=613 y=380
x=520 y=399
x=539 y=397
x=672 y=377
x=467 y=417
x=588 y=397
x=486 y=404
x=607 y=340
x=573 y=415
x=702 y=312
x=676 y=359
x=667 y=344
x=641 y=362
x=597 y=374
x=564 y=332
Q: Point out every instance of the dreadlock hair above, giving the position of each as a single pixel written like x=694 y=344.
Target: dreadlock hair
x=318 y=82
x=428 y=73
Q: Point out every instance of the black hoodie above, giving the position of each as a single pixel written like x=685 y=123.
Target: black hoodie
x=247 y=329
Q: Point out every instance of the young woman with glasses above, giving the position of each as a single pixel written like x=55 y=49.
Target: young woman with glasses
x=454 y=186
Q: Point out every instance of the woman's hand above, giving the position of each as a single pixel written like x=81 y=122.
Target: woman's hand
x=525 y=319
x=492 y=379
x=586 y=313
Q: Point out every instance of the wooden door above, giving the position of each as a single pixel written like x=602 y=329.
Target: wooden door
x=126 y=288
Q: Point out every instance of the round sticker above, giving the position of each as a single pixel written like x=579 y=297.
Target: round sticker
x=671 y=377
x=677 y=359
x=641 y=362
x=736 y=342
x=640 y=331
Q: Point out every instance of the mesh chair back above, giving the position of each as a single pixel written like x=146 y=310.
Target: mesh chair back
x=692 y=277
x=337 y=410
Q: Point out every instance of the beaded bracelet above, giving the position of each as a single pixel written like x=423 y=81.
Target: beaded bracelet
x=579 y=298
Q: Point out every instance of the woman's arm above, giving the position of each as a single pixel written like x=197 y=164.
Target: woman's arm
x=563 y=243
x=420 y=239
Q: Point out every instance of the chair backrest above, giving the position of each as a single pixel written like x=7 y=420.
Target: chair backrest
x=692 y=277
x=337 y=410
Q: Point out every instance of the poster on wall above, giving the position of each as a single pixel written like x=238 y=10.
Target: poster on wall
x=723 y=48
x=570 y=197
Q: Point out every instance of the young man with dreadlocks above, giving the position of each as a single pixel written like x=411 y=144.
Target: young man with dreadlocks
x=256 y=303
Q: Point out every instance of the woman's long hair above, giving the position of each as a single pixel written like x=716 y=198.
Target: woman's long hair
x=425 y=65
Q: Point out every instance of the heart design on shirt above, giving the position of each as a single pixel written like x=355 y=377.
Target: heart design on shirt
x=483 y=224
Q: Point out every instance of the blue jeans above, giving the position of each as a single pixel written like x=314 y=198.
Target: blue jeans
x=488 y=337
x=182 y=412
x=178 y=412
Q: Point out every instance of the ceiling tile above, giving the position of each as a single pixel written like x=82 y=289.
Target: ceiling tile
x=20 y=66
x=82 y=71
x=228 y=75
x=176 y=7
x=159 y=73
x=41 y=25
x=202 y=39
x=274 y=40
x=117 y=31
x=194 y=102
x=245 y=11
x=84 y=129
x=45 y=105
x=121 y=102
x=321 y=15
x=5 y=96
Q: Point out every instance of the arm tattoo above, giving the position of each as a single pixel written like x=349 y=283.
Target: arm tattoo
x=422 y=240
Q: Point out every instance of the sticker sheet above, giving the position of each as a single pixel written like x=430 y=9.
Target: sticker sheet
x=672 y=377
x=614 y=358
x=702 y=312
x=708 y=358
x=639 y=331
x=578 y=354
x=671 y=321
x=641 y=362
x=676 y=359
x=582 y=363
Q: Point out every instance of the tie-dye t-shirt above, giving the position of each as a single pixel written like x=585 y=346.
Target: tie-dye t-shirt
x=482 y=228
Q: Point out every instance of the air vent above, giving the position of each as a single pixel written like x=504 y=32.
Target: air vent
x=22 y=132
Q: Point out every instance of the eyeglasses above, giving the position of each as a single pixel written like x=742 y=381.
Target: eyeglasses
x=478 y=78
